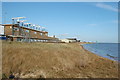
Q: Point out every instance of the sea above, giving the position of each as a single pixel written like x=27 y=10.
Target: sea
x=107 y=50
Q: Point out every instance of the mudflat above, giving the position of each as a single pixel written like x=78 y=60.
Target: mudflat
x=54 y=60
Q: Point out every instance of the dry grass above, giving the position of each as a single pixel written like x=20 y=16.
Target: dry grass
x=0 y=59
x=54 y=60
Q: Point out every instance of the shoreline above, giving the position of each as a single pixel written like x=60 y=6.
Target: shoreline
x=98 y=54
x=94 y=53
x=55 y=60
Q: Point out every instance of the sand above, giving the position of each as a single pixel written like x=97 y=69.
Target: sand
x=54 y=60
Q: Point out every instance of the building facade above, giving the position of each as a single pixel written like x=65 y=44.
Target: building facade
x=14 y=32
x=70 y=40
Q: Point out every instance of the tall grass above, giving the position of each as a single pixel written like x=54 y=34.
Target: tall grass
x=50 y=60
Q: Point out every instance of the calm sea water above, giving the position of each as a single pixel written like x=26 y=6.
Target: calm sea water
x=107 y=50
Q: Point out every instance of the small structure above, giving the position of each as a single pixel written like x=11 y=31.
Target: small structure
x=70 y=40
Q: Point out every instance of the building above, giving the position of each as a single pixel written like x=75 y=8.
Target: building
x=70 y=40
x=14 y=32
x=27 y=32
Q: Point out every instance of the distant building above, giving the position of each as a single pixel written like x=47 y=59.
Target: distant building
x=70 y=40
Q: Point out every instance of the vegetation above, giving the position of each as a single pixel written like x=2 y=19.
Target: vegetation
x=54 y=60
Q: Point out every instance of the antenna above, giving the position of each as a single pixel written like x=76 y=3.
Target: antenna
x=5 y=17
x=22 y=21
x=19 y=18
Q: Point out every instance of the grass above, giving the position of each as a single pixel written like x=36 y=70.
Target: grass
x=54 y=60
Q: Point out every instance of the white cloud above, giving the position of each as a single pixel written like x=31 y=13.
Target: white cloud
x=105 y=6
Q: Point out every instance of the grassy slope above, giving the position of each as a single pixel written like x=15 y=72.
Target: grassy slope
x=54 y=60
x=0 y=59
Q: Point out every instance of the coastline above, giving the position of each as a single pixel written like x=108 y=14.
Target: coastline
x=94 y=53
x=55 y=60
x=111 y=57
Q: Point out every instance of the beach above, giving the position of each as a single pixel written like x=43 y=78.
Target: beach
x=54 y=60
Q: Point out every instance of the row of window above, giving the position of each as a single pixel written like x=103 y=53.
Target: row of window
x=31 y=40
x=17 y=29
x=35 y=32
x=30 y=26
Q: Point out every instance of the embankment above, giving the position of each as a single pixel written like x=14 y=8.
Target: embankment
x=54 y=60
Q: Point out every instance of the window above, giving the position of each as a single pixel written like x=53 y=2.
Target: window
x=40 y=33
x=10 y=26
x=33 y=27
x=29 y=24
x=16 y=29
x=27 y=31
x=38 y=28
x=35 y=32
x=46 y=34
x=24 y=25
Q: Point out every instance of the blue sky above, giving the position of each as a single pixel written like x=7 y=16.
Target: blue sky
x=60 y=0
x=87 y=21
